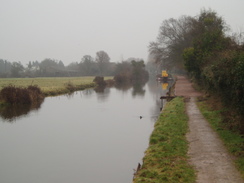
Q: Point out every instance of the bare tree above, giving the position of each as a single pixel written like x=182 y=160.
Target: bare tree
x=174 y=36
x=17 y=69
x=88 y=66
x=238 y=37
x=102 y=60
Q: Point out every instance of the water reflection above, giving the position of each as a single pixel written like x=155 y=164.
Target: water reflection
x=103 y=96
x=160 y=89
x=138 y=89
x=100 y=89
x=11 y=113
x=88 y=92
x=70 y=95
x=165 y=85
x=87 y=136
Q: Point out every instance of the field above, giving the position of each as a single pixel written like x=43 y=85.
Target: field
x=51 y=86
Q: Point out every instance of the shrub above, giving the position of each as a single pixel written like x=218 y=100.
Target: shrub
x=17 y=95
x=99 y=80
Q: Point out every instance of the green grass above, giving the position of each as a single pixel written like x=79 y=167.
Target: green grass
x=166 y=158
x=232 y=140
x=51 y=86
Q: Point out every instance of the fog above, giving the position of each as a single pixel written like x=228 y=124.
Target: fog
x=69 y=29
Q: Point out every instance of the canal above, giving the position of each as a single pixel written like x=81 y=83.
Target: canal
x=89 y=136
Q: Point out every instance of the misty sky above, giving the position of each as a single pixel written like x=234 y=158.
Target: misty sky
x=69 y=29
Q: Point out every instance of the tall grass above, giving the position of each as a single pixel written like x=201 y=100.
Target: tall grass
x=166 y=158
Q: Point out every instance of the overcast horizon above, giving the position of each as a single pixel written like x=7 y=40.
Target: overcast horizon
x=67 y=30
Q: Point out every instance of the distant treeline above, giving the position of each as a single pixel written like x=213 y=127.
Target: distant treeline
x=88 y=66
x=213 y=58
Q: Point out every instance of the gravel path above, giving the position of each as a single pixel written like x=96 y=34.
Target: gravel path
x=206 y=151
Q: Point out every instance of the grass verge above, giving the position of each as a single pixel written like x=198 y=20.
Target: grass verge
x=232 y=140
x=166 y=158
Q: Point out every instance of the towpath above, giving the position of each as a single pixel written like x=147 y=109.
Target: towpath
x=207 y=153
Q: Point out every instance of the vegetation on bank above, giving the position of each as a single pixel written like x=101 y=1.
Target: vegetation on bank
x=213 y=58
x=232 y=140
x=20 y=95
x=51 y=86
x=166 y=158
x=216 y=62
x=127 y=72
x=133 y=72
x=32 y=90
x=18 y=101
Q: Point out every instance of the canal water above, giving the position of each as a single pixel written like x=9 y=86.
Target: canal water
x=86 y=137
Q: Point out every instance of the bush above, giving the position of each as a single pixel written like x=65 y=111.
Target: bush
x=99 y=80
x=17 y=95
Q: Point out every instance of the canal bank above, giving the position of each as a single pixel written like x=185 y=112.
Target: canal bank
x=166 y=158
x=48 y=87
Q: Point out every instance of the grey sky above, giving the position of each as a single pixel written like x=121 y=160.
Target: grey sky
x=69 y=29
